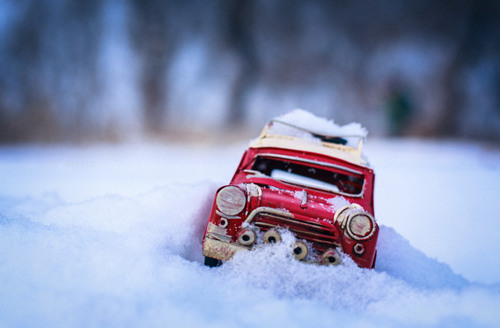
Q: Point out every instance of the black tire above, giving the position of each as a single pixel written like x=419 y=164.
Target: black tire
x=211 y=262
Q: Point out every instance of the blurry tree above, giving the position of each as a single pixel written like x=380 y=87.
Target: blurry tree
x=477 y=42
x=153 y=41
x=237 y=30
x=248 y=60
x=48 y=70
x=24 y=100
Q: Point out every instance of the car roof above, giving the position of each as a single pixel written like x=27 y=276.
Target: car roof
x=296 y=137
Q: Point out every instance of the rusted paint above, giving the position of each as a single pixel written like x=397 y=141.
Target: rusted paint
x=220 y=250
x=269 y=210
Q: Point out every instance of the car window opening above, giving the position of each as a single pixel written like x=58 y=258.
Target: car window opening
x=308 y=176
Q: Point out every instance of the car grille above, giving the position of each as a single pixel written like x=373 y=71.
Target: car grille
x=318 y=232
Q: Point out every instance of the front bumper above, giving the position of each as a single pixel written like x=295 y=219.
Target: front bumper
x=220 y=250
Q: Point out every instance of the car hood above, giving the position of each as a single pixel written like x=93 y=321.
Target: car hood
x=300 y=202
x=309 y=216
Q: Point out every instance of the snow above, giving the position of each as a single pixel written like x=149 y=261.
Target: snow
x=338 y=202
x=300 y=123
x=308 y=121
x=109 y=236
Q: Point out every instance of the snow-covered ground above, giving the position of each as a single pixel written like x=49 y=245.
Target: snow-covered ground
x=109 y=236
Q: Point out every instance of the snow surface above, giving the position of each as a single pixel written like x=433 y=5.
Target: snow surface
x=109 y=236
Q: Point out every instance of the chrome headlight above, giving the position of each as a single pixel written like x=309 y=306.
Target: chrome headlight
x=360 y=225
x=231 y=200
x=343 y=212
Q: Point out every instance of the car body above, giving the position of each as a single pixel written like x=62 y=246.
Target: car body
x=319 y=187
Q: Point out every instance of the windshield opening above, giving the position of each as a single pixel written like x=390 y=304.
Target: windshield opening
x=307 y=176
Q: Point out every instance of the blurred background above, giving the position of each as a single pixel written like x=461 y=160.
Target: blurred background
x=111 y=70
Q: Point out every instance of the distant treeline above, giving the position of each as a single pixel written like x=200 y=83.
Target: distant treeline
x=105 y=69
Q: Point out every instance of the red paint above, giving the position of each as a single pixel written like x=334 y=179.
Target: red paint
x=313 y=220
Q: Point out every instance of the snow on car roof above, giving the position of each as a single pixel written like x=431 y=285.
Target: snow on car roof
x=308 y=121
x=302 y=130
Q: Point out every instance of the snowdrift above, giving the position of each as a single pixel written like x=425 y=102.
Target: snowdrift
x=110 y=236
x=136 y=261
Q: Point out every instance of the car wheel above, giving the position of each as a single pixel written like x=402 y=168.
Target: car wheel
x=211 y=262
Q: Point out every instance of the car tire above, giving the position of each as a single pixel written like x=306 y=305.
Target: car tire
x=211 y=262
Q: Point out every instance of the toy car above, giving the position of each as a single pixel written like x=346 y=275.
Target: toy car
x=314 y=184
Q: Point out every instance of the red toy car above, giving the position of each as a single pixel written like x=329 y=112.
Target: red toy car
x=316 y=185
